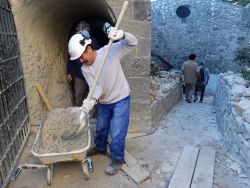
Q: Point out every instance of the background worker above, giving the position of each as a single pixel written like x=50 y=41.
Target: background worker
x=112 y=91
x=202 y=81
x=190 y=76
x=74 y=74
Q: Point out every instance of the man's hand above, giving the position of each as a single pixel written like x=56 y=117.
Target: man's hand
x=69 y=77
x=88 y=105
x=115 y=34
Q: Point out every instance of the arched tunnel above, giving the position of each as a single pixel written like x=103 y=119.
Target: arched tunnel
x=44 y=28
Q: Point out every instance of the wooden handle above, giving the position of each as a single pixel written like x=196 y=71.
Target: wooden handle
x=43 y=95
x=125 y=4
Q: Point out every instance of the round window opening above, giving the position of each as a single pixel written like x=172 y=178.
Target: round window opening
x=183 y=11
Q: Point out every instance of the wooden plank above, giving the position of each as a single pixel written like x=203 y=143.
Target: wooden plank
x=136 y=172
x=204 y=171
x=183 y=173
x=129 y=159
x=43 y=95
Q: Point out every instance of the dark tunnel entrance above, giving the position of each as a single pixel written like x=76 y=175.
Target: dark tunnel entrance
x=43 y=29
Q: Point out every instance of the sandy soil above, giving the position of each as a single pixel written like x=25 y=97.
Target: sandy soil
x=158 y=153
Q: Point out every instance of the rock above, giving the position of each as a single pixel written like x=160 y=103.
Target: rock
x=229 y=79
x=236 y=167
x=166 y=167
x=158 y=172
x=239 y=80
x=165 y=88
x=246 y=92
x=242 y=175
x=246 y=115
x=242 y=106
x=237 y=92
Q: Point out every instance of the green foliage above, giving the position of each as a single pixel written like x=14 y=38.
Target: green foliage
x=242 y=55
x=246 y=75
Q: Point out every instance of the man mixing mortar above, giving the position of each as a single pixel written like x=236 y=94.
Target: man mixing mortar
x=112 y=91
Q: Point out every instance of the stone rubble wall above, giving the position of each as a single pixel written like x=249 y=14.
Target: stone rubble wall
x=213 y=30
x=166 y=92
x=232 y=103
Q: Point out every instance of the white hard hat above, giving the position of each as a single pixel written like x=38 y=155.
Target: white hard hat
x=77 y=45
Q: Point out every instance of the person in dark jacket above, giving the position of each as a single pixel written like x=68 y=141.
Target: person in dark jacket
x=74 y=73
x=202 y=81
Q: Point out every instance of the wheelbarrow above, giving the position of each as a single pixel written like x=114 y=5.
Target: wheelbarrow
x=49 y=159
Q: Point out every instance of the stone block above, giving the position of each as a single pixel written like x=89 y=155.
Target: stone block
x=246 y=115
x=239 y=80
x=131 y=27
x=144 y=48
x=139 y=87
x=145 y=29
x=246 y=92
x=136 y=67
x=248 y=159
x=140 y=108
x=141 y=10
x=239 y=125
x=237 y=92
x=246 y=133
x=242 y=106
x=116 y=8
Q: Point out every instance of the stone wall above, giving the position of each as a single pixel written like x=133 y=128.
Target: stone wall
x=165 y=104
x=137 y=64
x=165 y=93
x=232 y=103
x=43 y=29
x=213 y=30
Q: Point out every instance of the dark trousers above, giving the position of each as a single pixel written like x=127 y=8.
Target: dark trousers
x=81 y=90
x=199 y=88
x=189 y=89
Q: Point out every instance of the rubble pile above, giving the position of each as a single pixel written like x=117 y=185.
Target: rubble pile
x=162 y=83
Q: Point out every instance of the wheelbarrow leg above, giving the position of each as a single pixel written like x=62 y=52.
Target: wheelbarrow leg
x=87 y=167
x=49 y=174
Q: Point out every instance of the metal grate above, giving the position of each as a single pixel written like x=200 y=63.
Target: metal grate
x=14 y=128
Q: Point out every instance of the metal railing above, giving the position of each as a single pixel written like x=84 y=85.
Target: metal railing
x=14 y=127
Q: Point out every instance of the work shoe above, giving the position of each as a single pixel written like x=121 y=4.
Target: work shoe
x=195 y=100
x=201 y=101
x=94 y=151
x=113 y=168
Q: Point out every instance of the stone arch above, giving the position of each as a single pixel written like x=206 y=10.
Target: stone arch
x=43 y=29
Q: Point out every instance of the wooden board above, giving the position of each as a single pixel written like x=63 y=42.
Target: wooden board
x=136 y=172
x=43 y=95
x=204 y=171
x=183 y=173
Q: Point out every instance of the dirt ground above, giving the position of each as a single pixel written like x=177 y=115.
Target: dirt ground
x=193 y=124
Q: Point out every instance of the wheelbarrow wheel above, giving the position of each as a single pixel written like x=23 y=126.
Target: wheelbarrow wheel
x=85 y=170
x=49 y=175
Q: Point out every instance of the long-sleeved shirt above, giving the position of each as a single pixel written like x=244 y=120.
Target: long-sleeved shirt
x=112 y=85
x=189 y=71
x=74 y=66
